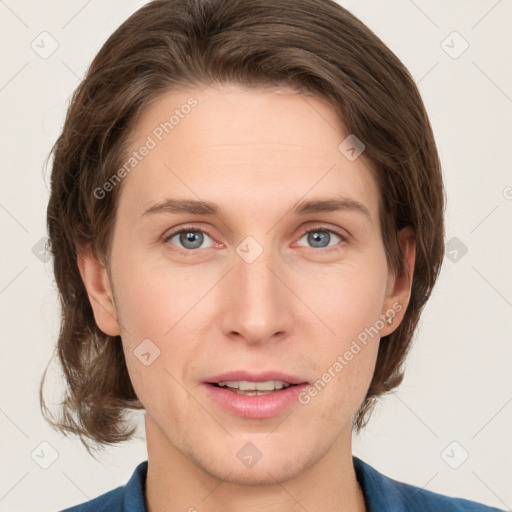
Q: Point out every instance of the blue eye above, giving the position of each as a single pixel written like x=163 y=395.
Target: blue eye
x=319 y=237
x=190 y=239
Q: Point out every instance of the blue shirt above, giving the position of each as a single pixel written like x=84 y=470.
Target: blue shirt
x=381 y=494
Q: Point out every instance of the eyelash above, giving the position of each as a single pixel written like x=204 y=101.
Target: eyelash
x=188 y=229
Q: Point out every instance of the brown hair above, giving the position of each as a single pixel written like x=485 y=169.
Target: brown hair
x=314 y=46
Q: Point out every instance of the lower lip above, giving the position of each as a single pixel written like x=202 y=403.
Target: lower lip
x=257 y=406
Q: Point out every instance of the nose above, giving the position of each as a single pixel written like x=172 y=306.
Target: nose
x=259 y=307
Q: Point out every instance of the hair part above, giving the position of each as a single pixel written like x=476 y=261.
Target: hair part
x=314 y=46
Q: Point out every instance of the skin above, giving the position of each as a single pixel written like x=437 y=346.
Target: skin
x=255 y=153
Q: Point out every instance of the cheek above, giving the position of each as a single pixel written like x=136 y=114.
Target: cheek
x=346 y=299
x=158 y=341
x=152 y=300
x=346 y=338
x=342 y=380
x=165 y=307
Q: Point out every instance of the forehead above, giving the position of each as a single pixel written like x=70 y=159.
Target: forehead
x=253 y=149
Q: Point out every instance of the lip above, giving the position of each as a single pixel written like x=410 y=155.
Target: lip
x=255 y=377
x=257 y=406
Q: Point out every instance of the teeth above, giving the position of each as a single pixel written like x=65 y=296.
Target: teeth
x=245 y=385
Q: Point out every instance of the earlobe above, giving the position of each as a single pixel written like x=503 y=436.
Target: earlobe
x=96 y=281
x=400 y=286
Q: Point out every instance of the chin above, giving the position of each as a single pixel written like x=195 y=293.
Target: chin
x=252 y=461
x=260 y=474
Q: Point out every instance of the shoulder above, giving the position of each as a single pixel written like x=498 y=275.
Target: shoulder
x=385 y=494
x=123 y=498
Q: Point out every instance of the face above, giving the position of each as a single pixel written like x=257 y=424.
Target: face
x=263 y=284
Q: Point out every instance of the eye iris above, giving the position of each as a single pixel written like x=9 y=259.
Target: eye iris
x=316 y=236
x=191 y=236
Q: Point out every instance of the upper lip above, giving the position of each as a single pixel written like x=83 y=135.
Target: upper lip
x=238 y=375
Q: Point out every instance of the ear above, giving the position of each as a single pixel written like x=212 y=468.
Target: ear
x=399 y=286
x=97 y=283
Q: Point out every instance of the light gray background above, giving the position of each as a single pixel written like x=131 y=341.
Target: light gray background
x=457 y=385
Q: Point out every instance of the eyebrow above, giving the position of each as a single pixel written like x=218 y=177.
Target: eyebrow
x=306 y=207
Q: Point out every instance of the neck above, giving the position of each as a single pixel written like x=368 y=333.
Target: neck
x=177 y=483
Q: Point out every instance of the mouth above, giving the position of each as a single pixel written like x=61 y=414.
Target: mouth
x=255 y=384
x=248 y=388
x=254 y=396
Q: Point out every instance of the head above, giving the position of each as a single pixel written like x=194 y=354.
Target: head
x=244 y=106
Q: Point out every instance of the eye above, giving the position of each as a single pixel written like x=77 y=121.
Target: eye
x=190 y=239
x=321 y=237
